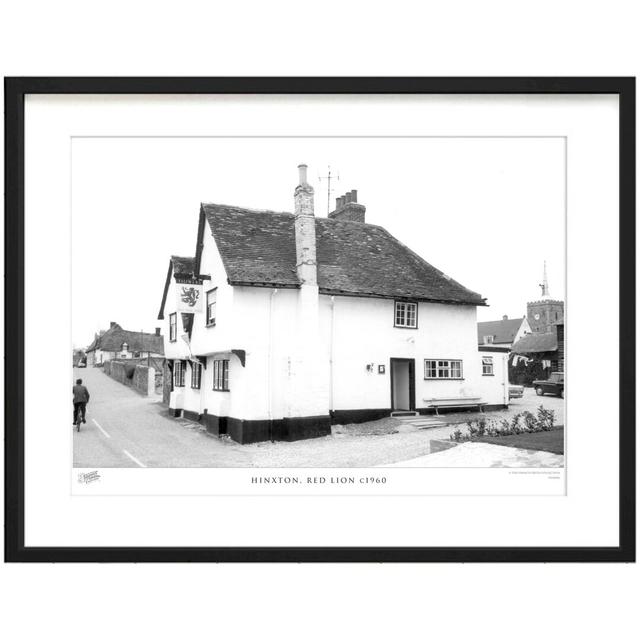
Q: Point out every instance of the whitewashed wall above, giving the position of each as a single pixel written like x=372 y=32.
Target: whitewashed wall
x=364 y=334
x=495 y=389
x=525 y=328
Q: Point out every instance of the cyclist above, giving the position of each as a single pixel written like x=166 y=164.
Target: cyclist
x=80 y=399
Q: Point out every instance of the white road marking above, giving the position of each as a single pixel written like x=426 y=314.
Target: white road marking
x=101 y=429
x=126 y=453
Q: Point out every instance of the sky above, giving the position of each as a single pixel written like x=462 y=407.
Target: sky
x=486 y=211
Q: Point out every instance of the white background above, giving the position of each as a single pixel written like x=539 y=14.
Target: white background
x=54 y=518
x=490 y=38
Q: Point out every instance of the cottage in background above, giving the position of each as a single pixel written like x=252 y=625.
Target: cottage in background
x=503 y=332
x=118 y=343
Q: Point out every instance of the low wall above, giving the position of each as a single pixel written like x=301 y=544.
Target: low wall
x=138 y=376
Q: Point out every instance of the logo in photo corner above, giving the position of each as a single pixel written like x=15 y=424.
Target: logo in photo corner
x=190 y=296
x=89 y=476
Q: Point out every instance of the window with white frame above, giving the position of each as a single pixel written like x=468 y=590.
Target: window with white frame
x=196 y=375
x=178 y=373
x=221 y=375
x=211 y=306
x=487 y=365
x=406 y=315
x=443 y=369
x=173 y=327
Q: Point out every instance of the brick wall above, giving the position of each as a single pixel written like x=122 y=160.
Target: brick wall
x=142 y=377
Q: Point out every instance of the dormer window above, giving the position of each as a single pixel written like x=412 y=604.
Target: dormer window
x=488 y=339
x=406 y=315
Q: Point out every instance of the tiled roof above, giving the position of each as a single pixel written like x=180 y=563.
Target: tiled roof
x=536 y=343
x=501 y=330
x=258 y=247
x=116 y=336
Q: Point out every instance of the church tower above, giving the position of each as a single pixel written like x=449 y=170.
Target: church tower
x=542 y=314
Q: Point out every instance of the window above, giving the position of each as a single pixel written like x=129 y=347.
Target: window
x=487 y=365
x=173 y=327
x=406 y=315
x=211 y=306
x=178 y=373
x=488 y=339
x=196 y=375
x=443 y=369
x=221 y=375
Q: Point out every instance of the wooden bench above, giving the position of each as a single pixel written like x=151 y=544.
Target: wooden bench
x=454 y=403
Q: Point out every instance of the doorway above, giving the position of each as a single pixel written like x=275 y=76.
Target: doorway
x=403 y=384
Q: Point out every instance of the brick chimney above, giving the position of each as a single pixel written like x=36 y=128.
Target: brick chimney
x=348 y=209
x=305 y=230
x=306 y=392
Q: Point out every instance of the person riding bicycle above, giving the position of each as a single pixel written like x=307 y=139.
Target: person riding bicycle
x=80 y=399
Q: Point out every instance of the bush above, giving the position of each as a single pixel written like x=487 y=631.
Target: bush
x=456 y=436
x=525 y=422
x=530 y=422
x=546 y=418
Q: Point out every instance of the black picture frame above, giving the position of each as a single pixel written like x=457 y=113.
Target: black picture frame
x=15 y=91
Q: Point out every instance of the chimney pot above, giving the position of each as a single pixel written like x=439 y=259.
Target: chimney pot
x=302 y=173
x=347 y=196
x=157 y=331
x=338 y=203
x=354 y=195
x=505 y=317
x=111 y=325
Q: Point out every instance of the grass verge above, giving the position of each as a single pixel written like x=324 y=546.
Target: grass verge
x=551 y=441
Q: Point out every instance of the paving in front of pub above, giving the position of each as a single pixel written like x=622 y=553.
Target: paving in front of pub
x=125 y=429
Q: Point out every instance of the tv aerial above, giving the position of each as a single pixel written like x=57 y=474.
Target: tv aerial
x=329 y=177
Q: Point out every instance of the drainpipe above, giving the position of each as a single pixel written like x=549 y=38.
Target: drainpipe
x=333 y=301
x=270 y=365
x=505 y=374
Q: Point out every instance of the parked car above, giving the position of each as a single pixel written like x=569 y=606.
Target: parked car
x=516 y=391
x=554 y=385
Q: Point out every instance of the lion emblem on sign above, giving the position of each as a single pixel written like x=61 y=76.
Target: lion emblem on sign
x=190 y=296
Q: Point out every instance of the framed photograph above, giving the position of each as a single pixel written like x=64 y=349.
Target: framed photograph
x=320 y=319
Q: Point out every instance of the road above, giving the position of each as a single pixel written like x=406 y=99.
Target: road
x=530 y=402
x=125 y=429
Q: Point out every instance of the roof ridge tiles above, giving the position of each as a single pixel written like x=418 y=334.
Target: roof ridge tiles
x=248 y=209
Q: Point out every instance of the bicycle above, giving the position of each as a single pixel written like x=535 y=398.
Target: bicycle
x=78 y=420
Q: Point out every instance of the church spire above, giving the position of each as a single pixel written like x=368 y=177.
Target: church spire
x=545 y=285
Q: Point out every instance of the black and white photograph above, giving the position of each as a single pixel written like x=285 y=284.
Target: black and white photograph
x=347 y=305
x=318 y=301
